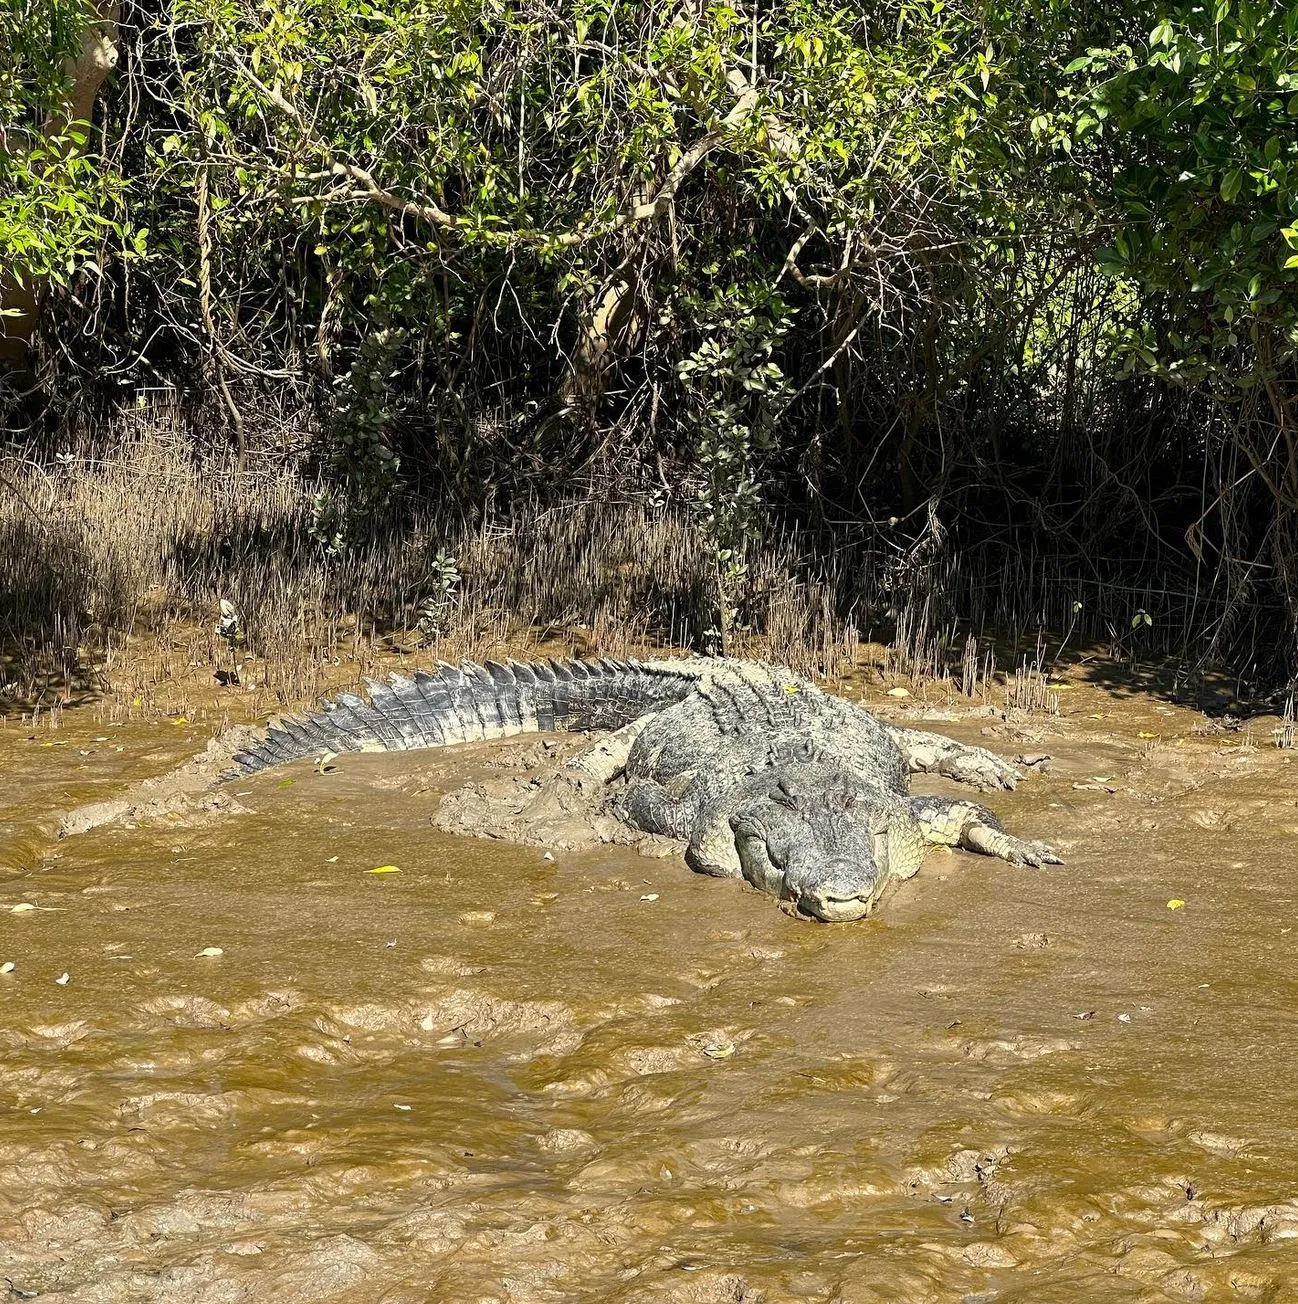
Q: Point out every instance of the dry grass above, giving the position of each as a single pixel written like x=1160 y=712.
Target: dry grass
x=112 y=571
x=1286 y=735
x=112 y=568
x=1028 y=690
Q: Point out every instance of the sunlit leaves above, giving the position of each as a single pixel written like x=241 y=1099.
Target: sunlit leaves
x=1196 y=121
x=55 y=202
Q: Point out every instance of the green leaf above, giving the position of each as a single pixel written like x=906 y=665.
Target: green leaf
x=1110 y=262
x=1231 y=183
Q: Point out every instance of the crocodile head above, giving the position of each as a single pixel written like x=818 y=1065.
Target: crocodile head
x=813 y=833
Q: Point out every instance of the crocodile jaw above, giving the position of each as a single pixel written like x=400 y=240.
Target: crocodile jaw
x=834 y=910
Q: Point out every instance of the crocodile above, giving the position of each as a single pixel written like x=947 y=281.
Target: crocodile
x=765 y=776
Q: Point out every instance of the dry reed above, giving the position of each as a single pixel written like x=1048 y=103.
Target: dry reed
x=112 y=572
x=1286 y=735
x=112 y=568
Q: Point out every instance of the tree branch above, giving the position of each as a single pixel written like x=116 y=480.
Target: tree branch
x=366 y=188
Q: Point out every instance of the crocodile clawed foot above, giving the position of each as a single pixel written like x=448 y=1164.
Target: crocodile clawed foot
x=1032 y=853
x=981 y=768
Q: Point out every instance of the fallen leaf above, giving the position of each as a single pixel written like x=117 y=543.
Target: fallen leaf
x=383 y=869
x=1085 y=1014
x=650 y=896
x=719 y=1050
x=63 y=979
x=405 y=1107
x=21 y=908
x=180 y=721
x=1124 y=1018
x=1175 y=904
x=1095 y=716
x=899 y=692
x=325 y=764
x=548 y=856
x=8 y=967
x=1144 y=733
x=209 y=951
x=286 y=783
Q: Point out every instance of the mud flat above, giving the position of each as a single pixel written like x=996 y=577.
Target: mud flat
x=494 y=1076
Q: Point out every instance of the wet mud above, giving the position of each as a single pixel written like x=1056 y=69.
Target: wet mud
x=577 y=1072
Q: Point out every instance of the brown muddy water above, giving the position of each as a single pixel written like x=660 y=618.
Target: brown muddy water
x=495 y=1076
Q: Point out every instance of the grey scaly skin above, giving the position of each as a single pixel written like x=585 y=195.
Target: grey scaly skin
x=765 y=776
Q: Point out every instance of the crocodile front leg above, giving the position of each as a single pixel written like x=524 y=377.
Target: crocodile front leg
x=930 y=753
x=975 y=828
x=648 y=805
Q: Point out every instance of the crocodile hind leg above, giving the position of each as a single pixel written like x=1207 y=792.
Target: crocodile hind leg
x=974 y=828
x=603 y=762
x=930 y=753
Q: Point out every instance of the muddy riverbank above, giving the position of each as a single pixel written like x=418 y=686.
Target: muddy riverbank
x=498 y=1076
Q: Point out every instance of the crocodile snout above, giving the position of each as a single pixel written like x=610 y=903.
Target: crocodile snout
x=838 y=891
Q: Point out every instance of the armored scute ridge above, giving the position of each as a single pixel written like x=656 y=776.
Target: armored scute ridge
x=765 y=776
x=472 y=703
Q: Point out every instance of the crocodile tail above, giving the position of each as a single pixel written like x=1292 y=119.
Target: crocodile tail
x=471 y=703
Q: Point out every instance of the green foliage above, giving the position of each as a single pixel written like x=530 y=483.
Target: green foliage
x=429 y=150
x=735 y=394
x=57 y=203
x=365 y=396
x=931 y=262
x=1198 y=113
x=328 y=523
x=443 y=586
x=53 y=211
x=37 y=37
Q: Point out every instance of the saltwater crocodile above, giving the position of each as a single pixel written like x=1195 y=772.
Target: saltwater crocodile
x=766 y=777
